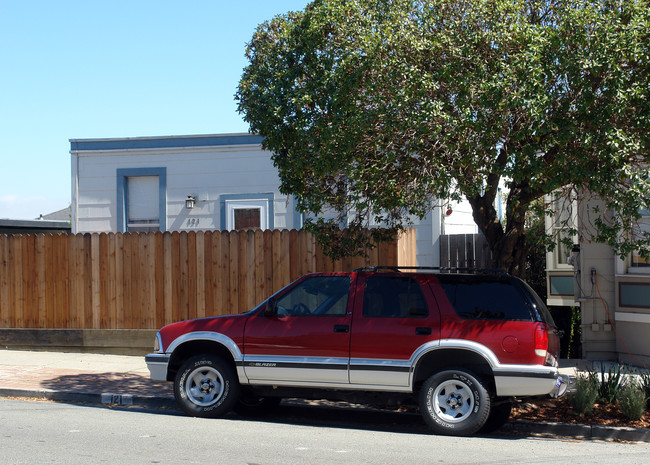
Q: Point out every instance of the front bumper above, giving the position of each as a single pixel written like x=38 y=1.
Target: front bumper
x=157 y=364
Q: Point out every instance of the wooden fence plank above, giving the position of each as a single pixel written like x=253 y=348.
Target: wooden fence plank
x=225 y=275
x=191 y=275
x=208 y=272
x=250 y=270
x=15 y=258
x=29 y=280
x=41 y=282
x=269 y=268
x=168 y=293
x=5 y=302
x=260 y=281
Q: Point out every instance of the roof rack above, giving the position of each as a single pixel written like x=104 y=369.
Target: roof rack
x=439 y=269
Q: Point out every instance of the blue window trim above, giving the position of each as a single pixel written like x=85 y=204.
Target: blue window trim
x=298 y=217
x=122 y=193
x=223 y=198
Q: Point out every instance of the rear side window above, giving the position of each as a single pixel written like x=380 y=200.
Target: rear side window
x=476 y=299
x=393 y=297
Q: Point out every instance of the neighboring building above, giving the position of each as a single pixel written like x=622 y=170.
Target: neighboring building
x=613 y=293
x=196 y=182
x=59 y=215
x=33 y=227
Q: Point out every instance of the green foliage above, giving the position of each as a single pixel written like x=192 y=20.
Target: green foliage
x=338 y=242
x=632 y=401
x=373 y=108
x=608 y=383
x=644 y=384
x=584 y=398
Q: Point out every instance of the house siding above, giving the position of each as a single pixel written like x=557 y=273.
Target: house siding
x=205 y=171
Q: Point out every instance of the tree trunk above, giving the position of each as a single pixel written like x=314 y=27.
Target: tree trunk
x=508 y=247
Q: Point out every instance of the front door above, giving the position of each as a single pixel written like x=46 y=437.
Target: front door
x=307 y=336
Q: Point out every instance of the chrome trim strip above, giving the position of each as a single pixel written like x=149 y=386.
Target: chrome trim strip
x=289 y=370
x=364 y=364
x=209 y=336
x=341 y=386
x=287 y=361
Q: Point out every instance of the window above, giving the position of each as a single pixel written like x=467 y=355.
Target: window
x=141 y=199
x=637 y=263
x=393 y=297
x=564 y=220
x=247 y=211
x=247 y=218
x=142 y=209
x=319 y=295
x=479 y=298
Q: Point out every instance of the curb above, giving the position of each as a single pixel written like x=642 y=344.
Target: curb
x=550 y=429
x=581 y=431
x=105 y=398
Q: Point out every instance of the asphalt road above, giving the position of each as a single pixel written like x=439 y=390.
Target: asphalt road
x=53 y=433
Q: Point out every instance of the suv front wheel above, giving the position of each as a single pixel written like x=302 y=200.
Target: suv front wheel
x=206 y=386
x=454 y=402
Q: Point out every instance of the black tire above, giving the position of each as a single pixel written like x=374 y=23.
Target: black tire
x=250 y=404
x=206 y=386
x=499 y=415
x=454 y=402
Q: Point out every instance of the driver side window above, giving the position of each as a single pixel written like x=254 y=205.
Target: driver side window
x=319 y=296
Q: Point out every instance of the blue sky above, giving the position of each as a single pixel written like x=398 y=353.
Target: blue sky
x=99 y=68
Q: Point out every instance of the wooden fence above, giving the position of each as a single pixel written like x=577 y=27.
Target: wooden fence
x=144 y=281
x=464 y=251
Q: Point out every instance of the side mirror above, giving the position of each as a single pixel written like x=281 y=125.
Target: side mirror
x=271 y=308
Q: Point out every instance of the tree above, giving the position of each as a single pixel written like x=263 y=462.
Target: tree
x=374 y=108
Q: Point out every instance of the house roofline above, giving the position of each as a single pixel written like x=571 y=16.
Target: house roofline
x=134 y=143
x=34 y=224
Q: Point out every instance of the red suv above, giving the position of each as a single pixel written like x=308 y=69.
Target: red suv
x=463 y=345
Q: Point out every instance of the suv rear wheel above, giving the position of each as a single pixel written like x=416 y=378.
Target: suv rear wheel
x=454 y=402
x=206 y=386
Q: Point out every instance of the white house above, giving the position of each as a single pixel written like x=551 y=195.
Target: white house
x=200 y=182
x=176 y=183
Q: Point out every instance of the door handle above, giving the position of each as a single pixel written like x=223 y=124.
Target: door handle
x=422 y=331
x=341 y=328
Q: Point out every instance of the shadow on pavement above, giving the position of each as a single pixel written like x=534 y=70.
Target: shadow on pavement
x=121 y=383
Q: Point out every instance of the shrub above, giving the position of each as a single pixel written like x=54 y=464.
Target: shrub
x=584 y=398
x=608 y=383
x=632 y=401
x=644 y=384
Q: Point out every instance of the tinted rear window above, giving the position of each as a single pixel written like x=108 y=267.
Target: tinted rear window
x=487 y=298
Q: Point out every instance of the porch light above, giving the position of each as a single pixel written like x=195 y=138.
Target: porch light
x=190 y=201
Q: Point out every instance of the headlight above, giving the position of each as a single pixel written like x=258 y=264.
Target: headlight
x=156 y=343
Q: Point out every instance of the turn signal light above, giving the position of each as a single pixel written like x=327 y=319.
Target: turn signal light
x=541 y=340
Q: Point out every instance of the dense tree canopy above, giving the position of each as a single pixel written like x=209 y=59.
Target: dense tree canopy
x=374 y=108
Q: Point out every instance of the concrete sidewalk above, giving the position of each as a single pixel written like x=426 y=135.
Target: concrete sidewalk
x=82 y=377
x=124 y=380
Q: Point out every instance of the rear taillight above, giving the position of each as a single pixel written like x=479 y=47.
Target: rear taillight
x=541 y=340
